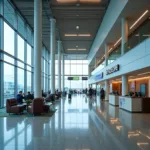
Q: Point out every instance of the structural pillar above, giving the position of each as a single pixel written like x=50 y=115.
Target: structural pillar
x=37 y=47
x=106 y=54
x=106 y=90
x=59 y=65
x=124 y=85
x=124 y=33
x=52 y=49
x=63 y=73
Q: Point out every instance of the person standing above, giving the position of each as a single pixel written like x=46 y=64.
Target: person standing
x=102 y=94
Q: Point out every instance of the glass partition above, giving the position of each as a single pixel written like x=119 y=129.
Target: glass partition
x=115 y=54
x=138 y=36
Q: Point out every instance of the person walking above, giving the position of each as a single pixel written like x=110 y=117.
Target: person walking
x=102 y=94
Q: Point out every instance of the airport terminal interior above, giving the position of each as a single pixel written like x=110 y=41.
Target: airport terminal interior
x=74 y=74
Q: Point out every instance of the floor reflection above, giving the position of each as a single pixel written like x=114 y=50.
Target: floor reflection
x=81 y=123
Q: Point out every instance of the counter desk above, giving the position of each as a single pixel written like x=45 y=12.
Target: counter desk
x=130 y=104
x=114 y=100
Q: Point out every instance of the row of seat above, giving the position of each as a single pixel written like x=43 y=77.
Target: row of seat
x=38 y=106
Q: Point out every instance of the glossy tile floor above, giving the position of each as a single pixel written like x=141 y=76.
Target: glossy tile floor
x=79 y=124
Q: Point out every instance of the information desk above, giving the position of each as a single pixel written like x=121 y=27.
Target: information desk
x=114 y=100
x=130 y=104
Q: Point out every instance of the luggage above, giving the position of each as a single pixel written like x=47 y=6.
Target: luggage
x=69 y=96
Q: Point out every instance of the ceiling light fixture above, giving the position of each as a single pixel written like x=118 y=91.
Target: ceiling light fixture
x=139 y=19
x=81 y=49
x=118 y=41
x=77 y=27
x=82 y=1
x=71 y=35
x=77 y=46
x=143 y=73
x=110 y=49
x=76 y=49
x=86 y=35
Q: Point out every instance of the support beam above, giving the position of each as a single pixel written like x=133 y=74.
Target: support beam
x=124 y=33
x=124 y=85
x=63 y=73
x=106 y=54
x=37 y=47
x=106 y=90
x=52 y=50
x=59 y=65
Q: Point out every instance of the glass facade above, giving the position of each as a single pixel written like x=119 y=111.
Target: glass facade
x=76 y=68
x=17 y=53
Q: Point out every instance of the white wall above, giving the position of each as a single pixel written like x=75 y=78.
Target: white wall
x=136 y=59
x=114 y=10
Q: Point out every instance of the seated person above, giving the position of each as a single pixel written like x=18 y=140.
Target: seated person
x=20 y=97
x=29 y=96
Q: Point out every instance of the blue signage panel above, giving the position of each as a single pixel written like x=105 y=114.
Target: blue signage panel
x=99 y=76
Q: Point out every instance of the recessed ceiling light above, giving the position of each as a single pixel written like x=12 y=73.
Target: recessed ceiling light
x=71 y=49
x=76 y=49
x=143 y=73
x=82 y=1
x=77 y=15
x=78 y=35
x=78 y=5
x=77 y=46
x=77 y=27
x=84 y=35
x=71 y=35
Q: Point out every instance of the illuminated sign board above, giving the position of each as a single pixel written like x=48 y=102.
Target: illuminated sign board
x=112 y=70
x=99 y=76
x=73 y=78
x=84 y=78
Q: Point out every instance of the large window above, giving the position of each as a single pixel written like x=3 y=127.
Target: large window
x=8 y=39
x=20 y=48
x=28 y=81
x=8 y=82
x=20 y=80
x=78 y=68
x=29 y=53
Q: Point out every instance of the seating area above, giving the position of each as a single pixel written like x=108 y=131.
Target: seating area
x=37 y=107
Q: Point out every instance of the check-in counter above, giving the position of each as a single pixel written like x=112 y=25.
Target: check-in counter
x=130 y=104
x=114 y=100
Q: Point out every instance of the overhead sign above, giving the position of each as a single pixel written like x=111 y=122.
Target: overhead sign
x=84 y=78
x=73 y=78
x=99 y=76
x=112 y=70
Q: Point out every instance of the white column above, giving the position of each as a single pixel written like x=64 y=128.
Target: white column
x=49 y=88
x=63 y=73
x=106 y=54
x=106 y=90
x=59 y=65
x=52 y=50
x=124 y=33
x=37 y=47
x=124 y=85
x=149 y=88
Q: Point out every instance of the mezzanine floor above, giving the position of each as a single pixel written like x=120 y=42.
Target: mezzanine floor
x=79 y=124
